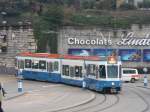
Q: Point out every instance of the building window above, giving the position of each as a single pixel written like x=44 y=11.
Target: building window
x=3 y=49
x=42 y=64
x=66 y=70
x=5 y=38
x=3 y=43
x=27 y=63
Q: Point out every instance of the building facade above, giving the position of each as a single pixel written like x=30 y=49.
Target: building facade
x=131 y=45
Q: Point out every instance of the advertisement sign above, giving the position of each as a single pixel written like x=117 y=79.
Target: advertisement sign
x=146 y=55
x=104 y=52
x=131 y=55
x=99 y=52
x=111 y=52
x=79 y=52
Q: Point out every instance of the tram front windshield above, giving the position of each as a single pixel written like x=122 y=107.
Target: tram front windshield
x=112 y=71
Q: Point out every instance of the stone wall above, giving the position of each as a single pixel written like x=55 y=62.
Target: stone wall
x=17 y=40
x=94 y=32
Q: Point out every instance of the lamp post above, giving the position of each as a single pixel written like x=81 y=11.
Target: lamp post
x=20 y=84
x=145 y=77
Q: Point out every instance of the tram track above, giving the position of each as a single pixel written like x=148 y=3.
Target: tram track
x=147 y=108
x=91 y=106
x=97 y=105
x=109 y=106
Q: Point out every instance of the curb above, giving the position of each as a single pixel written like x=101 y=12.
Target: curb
x=143 y=87
x=15 y=96
x=93 y=96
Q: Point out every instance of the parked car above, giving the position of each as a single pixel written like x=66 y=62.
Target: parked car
x=130 y=75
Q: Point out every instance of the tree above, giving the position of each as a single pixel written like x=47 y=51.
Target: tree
x=49 y=20
x=144 y=4
x=88 y=4
x=106 y=4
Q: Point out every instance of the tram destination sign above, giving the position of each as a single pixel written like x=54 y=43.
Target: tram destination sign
x=125 y=40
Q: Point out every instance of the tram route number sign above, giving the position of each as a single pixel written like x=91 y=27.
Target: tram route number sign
x=111 y=60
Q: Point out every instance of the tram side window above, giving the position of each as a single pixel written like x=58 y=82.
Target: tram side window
x=72 y=71
x=78 y=71
x=35 y=64
x=88 y=69
x=21 y=64
x=50 y=67
x=66 y=70
x=102 y=71
x=42 y=64
x=91 y=69
x=27 y=63
x=56 y=65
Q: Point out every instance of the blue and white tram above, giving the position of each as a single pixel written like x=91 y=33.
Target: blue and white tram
x=103 y=76
x=39 y=66
x=99 y=74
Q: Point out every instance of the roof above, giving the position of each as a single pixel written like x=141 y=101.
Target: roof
x=81 y=57
x=59 y=56
x=40 y=55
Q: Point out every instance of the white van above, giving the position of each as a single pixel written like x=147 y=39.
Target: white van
x=130 y=74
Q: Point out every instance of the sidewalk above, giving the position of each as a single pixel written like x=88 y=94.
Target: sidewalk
x=9 y=83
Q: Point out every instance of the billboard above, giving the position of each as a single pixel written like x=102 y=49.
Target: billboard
x=146 y=55
x=79 y=52
x=131 y=55
x=111 y=52
x=104 y=52
x=99 y=52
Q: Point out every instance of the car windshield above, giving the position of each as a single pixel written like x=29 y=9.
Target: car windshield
x=112 y=71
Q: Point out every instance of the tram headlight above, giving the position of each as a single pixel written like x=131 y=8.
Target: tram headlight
x=112 y=83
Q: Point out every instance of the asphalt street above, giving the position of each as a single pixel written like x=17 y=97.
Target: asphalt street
x=51 y=97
